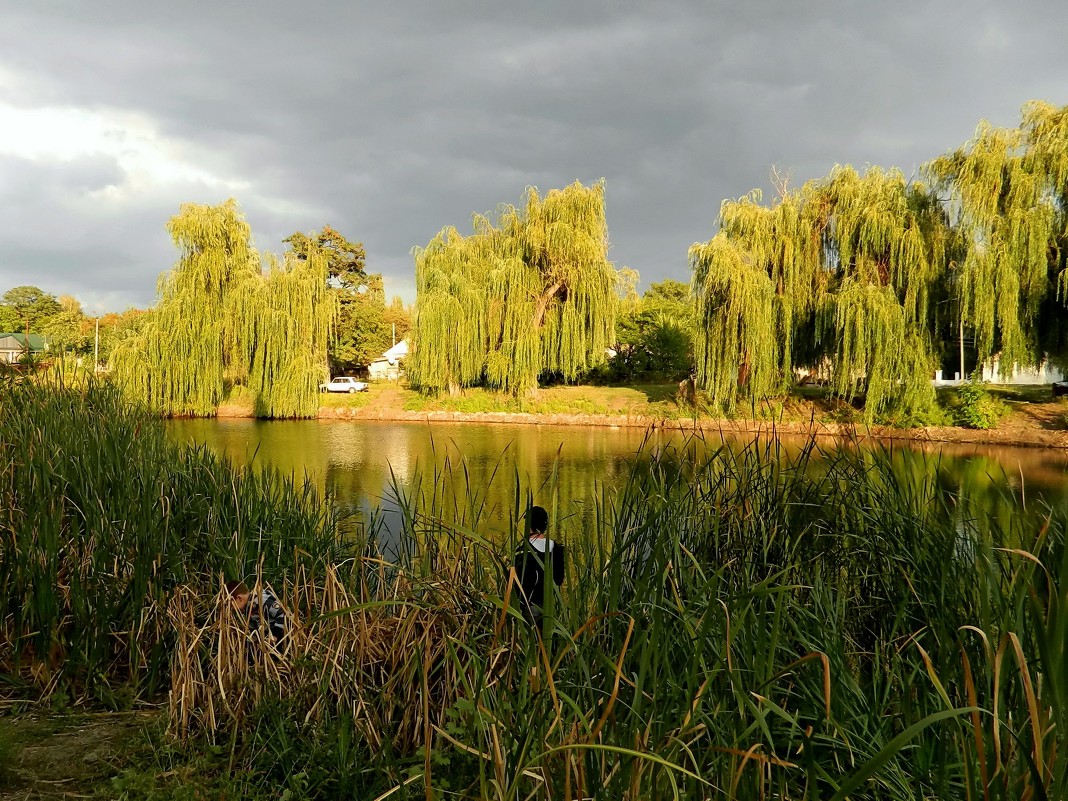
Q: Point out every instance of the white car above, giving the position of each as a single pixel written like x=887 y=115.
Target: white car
x=343 y=384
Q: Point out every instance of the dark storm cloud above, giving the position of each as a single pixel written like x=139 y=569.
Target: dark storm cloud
x=392 y=121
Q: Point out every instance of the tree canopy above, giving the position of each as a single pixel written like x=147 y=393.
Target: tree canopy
x=345 y=260
x=26 y=306
x=364 y=325
x=856 y=275
x=655 y=334
x=222 y=321
x=533 y=293
x=1008 y=196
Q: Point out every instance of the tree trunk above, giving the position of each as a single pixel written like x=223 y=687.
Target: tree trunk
x=543 y=303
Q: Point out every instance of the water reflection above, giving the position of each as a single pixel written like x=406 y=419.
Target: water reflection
x=497 y=468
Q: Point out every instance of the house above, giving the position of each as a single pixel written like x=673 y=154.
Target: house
x=388 y=365
x=14 y=346
x=1044 y=373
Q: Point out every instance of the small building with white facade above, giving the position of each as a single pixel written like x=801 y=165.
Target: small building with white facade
x=390 y=365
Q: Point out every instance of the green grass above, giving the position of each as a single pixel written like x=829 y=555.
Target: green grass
x=1026 y=393
x=738 y=622
x=653 y=400
x=656 y=402
x=354 y=400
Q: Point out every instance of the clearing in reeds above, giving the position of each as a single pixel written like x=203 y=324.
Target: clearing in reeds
x=738 y=623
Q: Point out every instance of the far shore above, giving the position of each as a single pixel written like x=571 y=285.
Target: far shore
x=1035 y=424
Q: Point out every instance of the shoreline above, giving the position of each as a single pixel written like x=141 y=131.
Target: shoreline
x=1028 y=438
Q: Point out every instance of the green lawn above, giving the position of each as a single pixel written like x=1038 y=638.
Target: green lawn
x=649 y=400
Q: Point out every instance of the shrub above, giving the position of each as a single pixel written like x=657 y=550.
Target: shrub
x=975 y=407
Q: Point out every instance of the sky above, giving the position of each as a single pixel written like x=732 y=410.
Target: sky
x=391 y=120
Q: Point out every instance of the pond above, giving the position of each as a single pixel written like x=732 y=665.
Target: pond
x=499 y=468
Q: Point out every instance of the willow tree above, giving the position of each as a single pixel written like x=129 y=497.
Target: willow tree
x=221 y=322
x=180 y=363
x=848 y=263
x=885 y=249
x=281 y=326
x=534 y=293
x=1003 y=210
x=1008 y=191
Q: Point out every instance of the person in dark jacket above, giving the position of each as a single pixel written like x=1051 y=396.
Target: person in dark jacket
x=266 y=607
x=537 y=561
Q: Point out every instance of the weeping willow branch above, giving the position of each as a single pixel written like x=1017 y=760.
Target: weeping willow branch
x=849 y=259
x=841 y=273
x=221 y=321
x=1005 y=192
x=534 y=293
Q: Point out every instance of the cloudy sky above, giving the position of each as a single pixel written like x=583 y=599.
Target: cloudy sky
x=390 y=120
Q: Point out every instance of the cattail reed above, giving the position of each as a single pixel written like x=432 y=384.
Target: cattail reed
x=737 y=622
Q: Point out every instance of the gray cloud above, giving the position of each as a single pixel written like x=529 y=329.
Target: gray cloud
x=393 y=121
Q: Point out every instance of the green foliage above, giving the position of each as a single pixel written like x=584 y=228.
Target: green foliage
x=9 y=320
x=654 y=335
x=849 y=258
x=1006 y=200
x=345 y=260
x=535 y=293
x=975 y=407
x=67 y=330
x=104 y=519
x=834 y=613
x=366 y=326
x=25 y=306
x=856 y=628
x=220 y=320
x=283 y=324
x=868 y=275
x=116 y=328
x=738 y=349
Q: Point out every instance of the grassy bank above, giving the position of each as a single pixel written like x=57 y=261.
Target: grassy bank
x=1000 y=415
x=739 y=624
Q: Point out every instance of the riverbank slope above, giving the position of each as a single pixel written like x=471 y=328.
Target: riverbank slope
x=1033 y=419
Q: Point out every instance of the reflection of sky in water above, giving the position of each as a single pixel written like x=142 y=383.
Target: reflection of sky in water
x=561 y=468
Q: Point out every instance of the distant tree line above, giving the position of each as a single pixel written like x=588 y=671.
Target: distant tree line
x=875 y=280
x=869 y=281
x=64 y=323
x=229 y=318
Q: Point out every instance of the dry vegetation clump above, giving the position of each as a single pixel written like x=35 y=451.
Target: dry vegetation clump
x=363 y=648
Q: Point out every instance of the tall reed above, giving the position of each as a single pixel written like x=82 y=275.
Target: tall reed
x=740 y=622
x=102 y=519
x=743 y=623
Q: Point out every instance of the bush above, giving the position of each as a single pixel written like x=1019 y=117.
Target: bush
x=975 y=407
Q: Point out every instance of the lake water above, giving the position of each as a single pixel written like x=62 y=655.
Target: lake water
x=363 y=464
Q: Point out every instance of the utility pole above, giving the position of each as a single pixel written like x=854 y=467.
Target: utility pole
x=96 y=349
x=394 y=335
x=962 y=347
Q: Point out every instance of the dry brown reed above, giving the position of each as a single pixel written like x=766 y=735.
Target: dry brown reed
x=381 y=652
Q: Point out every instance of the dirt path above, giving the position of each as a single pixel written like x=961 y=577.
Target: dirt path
x=52 y=756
